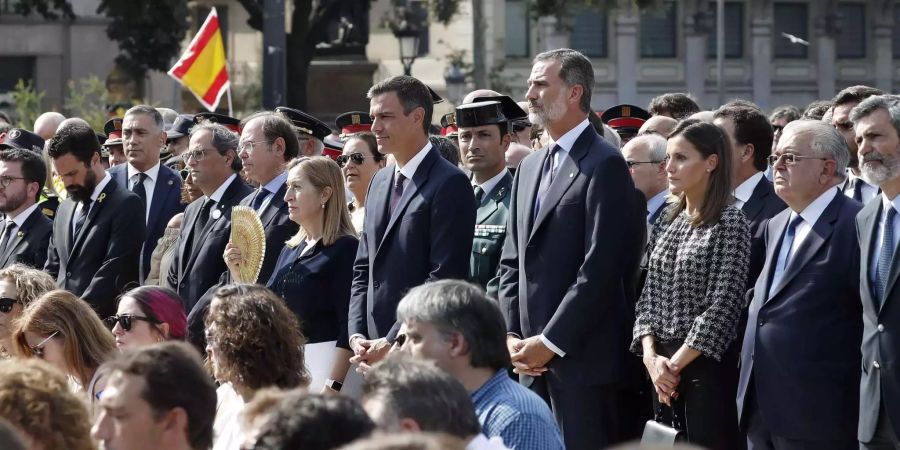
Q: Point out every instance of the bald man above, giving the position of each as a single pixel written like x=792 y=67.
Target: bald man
x=46 y=124
x=661 y=125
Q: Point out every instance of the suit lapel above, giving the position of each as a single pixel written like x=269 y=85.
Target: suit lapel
x=773 y=247
x=868 y=227
x=377 y=204
x=16 y=239
x=493 y=199
x=163 y=188
x=756 y=202
x=531 y=180
x=894 y=272
x=410 y=191
x=96 y=207
x=190 y=219
x=564 y=178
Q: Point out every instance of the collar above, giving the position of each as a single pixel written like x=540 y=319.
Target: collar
x=653 y=203
x=23 y=216
x=567 y=141
x=489 y=185
x=151 y=173
x=814 y=210
x=489 y=384
x=745 y=190
x=409 y=169
x=276 y=183
x=217 y=195
x=886 y=203
x=100 y=186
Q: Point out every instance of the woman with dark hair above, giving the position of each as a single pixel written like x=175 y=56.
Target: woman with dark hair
x=147 y=315
x=253 y=341
x=688 y=312
x=359 y=162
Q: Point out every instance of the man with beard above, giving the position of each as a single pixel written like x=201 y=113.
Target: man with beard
x=574 y=239
x=854 y=187
x=158 y=186
x=26 y=231
x=96 y=243
x=876 y=122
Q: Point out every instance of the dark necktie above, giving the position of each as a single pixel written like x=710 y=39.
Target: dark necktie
x=784 y=254
x=886 y=256
x=546 y=179
x=138 y=187
x=203 y=218
x=857 y=189
x=82 y=216
x=397 y=191
x=479 y=196
x=261 y=196
x=7 y=235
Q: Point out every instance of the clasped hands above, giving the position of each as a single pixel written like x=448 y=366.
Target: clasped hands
x=529 y=356
x=665 y=376
x=367 y=352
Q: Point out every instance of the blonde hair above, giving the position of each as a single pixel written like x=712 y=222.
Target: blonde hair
x=35 y=398
x=323 y=172
x=30 y=283
x=86 y=342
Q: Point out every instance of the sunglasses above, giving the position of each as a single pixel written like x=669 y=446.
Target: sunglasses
x=357 y=159
x=38 y=350
x=6 y=304
x=126 y=321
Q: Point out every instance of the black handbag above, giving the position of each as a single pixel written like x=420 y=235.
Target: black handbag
x=662 y=435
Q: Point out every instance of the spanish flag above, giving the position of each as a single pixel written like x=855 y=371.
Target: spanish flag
x=203 y=69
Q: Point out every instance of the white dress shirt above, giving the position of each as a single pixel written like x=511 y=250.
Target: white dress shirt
x=869 y=191
x=745 y=190
x=149 y=185
x=489 y=185
x=19 y=220
x=409 y=169
x=220 y=191
x=272 y=188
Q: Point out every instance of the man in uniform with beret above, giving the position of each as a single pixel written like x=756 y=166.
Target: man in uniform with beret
x=353 y=122
x=112 y=147
x=625 y=119
x=311 y=132
x=483 y=139
x=177 y=140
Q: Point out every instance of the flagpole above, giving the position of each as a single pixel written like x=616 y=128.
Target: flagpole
x=230 y=107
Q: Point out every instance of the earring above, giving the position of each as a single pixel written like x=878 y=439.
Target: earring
x=323 y=206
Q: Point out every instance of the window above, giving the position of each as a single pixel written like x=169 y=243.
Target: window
x=790 y=18
x=222 y=11
x=896 y=32
x=589 y=32
x=419 y=10
x=734 y=30
x=851 y=39
x=517 y=29
x=658 y=31
x=15 y=68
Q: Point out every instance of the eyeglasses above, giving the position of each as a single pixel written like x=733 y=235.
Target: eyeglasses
x=790 y=158
x=6 y=304
x=196 y=155
x=247 y=146
x=38 y=350
x=357 y=159
x=632 y=164
x=5 y=181
x=126 y=321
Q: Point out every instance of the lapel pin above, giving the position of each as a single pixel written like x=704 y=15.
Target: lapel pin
x=572 y=175
x=216 y=214
x=20 y=234
x=170 y=182
x=101 y=197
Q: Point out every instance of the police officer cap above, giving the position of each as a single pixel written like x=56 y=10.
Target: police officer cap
x=181 y=127
x=625 y=116
x=23 y=139
x=229 y=122
x=353 y=122
x=480 y=113
x=305 y=122
x=510 y=108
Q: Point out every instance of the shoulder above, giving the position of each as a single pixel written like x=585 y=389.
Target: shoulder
x=345 y=243
x=166 y=173
x=733 y=218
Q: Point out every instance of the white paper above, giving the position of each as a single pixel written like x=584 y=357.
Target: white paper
x=319 y=358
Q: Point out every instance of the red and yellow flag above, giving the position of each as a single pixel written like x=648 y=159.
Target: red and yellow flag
x=203 y=69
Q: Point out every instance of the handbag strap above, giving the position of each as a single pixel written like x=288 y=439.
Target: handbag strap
x=677 y=423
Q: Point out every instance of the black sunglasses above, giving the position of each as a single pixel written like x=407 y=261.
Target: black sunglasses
x=357 y=159
x=6 y=304
x=126 y=320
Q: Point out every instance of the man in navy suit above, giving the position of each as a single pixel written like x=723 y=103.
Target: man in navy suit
x=572 y=244
x=158 y=186
x=420 y=217
x=800 y=356
x=876 y=121
x=26 y=231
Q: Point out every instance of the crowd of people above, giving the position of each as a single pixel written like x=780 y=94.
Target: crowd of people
x=528 y=275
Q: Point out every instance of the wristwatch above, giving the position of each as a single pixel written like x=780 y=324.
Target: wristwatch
x=334 y=385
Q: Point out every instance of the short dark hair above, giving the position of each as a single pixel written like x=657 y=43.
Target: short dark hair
x=275 y=126
x=313 y=422
x=458 y=306
x=412 y=94
x=370 y=141
x=789 y=112
x=446 y=148
x=33 y=168
x=148 y=111
x=421 y=391
x=223 y=140
x=816 y=110
x=854 y=94
x=751 y=126
x=77 y=139
x=676 y=105
x=174 y=377
x=574 y=69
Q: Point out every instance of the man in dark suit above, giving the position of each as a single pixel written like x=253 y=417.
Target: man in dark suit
x=206 y=228
x=854 y=186
x=95 y=248
x=878 y=228
x=267 y=143
x=420 y=217
x=570 y=246
x=158 y=186
x=801 y=346
x=26 y=231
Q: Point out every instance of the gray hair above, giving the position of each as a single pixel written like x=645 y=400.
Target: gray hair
x=575 y=69
x=890 y=103
x=223 y=140
x=826 y=142
x=147 y=110
x=457 y=306
x=656 y=145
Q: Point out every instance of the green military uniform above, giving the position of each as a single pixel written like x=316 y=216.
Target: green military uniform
x=490 y=231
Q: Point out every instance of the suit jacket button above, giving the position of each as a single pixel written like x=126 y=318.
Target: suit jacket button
x=762 y=322
x=68 y=274
x=376 y=284
x=880 y=328
x=876 y=365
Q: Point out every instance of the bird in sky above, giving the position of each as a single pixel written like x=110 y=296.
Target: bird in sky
x=795 y=39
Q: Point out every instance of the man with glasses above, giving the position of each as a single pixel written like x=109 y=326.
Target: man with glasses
x=646 y=159
x=95 y=248
x=800 y=357
x=855 y=186
x=158 y=186
x=26 y=230
x=213 y=161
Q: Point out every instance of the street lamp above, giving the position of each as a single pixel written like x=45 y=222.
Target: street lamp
x=455 y=80
x=408 y=36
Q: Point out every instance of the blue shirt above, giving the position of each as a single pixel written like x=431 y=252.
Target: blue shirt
x=509 y=410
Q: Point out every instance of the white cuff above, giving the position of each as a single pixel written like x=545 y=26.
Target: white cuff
x=550 y=345
x=355 y=335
